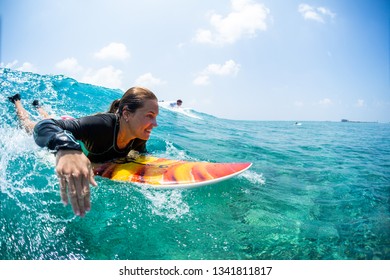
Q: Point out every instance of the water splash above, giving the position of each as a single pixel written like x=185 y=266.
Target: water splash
x=169 y=204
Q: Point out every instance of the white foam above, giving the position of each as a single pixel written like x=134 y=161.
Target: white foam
x=16 y=141
x=253 y=177
x=173 y=152
x=17 y=144
x=180 y=110
x=168 y=204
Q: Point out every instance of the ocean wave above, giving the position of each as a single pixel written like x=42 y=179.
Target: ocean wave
x=308 y=191
x=188 y=112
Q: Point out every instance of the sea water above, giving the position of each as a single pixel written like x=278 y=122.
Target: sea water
x=320 y=190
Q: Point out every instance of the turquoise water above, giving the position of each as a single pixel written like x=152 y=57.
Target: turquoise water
x=316 y=191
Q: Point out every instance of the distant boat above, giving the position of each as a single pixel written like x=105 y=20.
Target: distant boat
x=298 y=123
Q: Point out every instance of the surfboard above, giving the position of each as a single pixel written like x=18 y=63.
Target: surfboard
x=169 y=173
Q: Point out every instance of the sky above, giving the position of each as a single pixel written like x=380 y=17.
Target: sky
x=308 y=60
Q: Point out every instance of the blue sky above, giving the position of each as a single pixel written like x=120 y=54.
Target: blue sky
x=237 y=59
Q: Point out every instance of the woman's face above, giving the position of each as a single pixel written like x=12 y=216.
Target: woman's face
x=142 y=121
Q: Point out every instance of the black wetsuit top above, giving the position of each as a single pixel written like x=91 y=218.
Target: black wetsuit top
x=95 y=135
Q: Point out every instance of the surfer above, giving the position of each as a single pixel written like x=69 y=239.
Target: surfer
x=80 y=144
x=178 y=103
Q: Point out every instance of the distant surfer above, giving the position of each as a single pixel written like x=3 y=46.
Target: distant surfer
x=176 y=104
x=80 y=144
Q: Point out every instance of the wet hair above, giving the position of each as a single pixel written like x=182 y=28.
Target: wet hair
x=133 y=99
x=114 y=106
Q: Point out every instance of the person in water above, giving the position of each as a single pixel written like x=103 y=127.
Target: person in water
x=178 y=103
x=81 y=144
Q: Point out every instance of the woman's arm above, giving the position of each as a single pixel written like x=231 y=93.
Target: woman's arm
x=73 y=168
x=47 y=133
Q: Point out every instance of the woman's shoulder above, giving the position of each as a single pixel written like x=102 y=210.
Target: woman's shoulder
x=106 y=116
x=100 y=119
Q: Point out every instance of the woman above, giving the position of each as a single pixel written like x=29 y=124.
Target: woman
x=80 y=144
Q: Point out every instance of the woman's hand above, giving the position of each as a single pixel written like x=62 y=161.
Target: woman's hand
x=75 y=174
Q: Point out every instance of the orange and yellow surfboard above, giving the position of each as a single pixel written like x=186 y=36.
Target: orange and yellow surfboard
x=170 y=173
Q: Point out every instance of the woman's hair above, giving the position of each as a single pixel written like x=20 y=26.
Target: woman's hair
x=133 y=99
x=114 y=106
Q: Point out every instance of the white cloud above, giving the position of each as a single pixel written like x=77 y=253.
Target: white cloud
x=147 y=79
x=326 y=12
x=113 y=51
x=299 y=104
x=204 y=36
x=69 y=65
x=229 y=68
x=26 y=66
x=202 y=80
x=325 y=102
x=106 y=76
x=246 y=18
x=9 y=65
x=360 y=103
x=319 y=14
